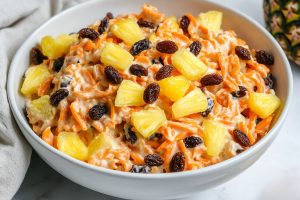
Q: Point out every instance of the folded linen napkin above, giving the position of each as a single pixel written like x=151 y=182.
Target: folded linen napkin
x=18 y=18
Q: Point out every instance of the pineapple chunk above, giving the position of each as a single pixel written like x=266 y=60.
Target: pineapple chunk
x=57 y=47
x=129 y=94
x=101 y=141
x=167 y=86
x=152 y=38
x=34 y=77
x=263 y=104
x=41 y=108
x=170 y=24
x=147 y=122
x=211 y=20
x=188 y=64
x=194 y=102
x=214 y=137
x=114 y=55
x=49 y=47
x=71 y=144
x=127 y=30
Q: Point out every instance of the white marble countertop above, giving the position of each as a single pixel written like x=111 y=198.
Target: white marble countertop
x=275 y=176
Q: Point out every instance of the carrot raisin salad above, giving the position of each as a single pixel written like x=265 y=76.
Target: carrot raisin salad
x=147 y=93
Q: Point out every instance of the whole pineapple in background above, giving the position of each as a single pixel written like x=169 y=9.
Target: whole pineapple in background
x=282 y=19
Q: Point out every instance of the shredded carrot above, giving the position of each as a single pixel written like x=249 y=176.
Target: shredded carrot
x=45 y=86
x=63 y=114
x=77 y=116
x=137 y=159
x=89 y=77
x=89 y=46
x=48 y=136
x=142 y=59
x=263 y=126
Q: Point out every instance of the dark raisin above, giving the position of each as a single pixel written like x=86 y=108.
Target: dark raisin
x=153 y=160
x=36 y=57
x=240 y=93
x=52 y=86
x=255 y=88
x=242 y=53
x=211 y=79
x=112 y=75
x=57 y=96
x=156 y=29
x=109 y=15
x=195 y=48
x=238 y=151
x=158 y=61
x=139 y=46
x=58 y=63
x=270 y=81
x=105 y=22
x=64 y=84
x=246 y=112
x=88 y=33
x=258 y=120
x=130 y=135
x=184 y=23
x=264 y=57
x=97 y=111
x=103 y=25
x=192 y=141
x=156 y=136
x=164 y=72
x=140 y=169
x=144 y=23
x=241 y=138
x=138 y=70
x=151 y=93
x=177 y=163
x=166 y=46
x=209 y=108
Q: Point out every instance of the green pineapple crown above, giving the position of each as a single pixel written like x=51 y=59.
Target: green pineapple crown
x=282 y=19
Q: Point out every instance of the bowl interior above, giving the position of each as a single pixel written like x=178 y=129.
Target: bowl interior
x=76 y=18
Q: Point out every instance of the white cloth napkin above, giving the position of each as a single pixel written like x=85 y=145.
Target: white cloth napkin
x=18 y=18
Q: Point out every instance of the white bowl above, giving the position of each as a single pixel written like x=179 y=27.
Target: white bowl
x=148 y=186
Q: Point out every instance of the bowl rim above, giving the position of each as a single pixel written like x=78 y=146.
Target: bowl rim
x=206 y=170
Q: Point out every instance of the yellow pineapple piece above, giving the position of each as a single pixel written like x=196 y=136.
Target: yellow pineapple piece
x=188 y=64
x=101 y=141
x=152 y=38
x=214 y=137
x=57 y=47
x=170 y=25
x=34 y=77
x=263 y=104
x=49 y=47
x=129 y=94
x=71 y=144
x=114 y=55
x=147 y=122
x=41 y=108
x=194 y=102
x=167 y=86
x=211 y=20
x=128 y=30
x=64 y=41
